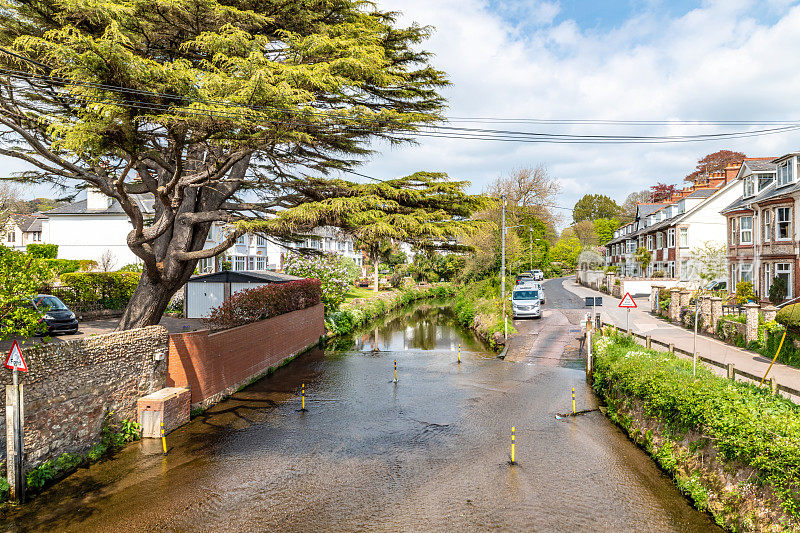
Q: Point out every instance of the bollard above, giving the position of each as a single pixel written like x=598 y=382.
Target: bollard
x=395 y=370
x=459 y=353
x=648 y=341
x=303 y=397
x=671 y=348
x=513 y=446
x=731 y=371
x=773 y=386
x=163 y=439
x=573 y=400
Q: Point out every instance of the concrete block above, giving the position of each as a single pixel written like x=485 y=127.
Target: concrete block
x=170 y=405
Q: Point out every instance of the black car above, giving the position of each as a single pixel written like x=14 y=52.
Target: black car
x=55 y=314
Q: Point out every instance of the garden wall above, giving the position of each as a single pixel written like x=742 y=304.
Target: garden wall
x=71 y=387
x=214 y=365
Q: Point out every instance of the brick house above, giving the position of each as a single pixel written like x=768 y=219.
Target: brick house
x=762 y=235
x=673 y=229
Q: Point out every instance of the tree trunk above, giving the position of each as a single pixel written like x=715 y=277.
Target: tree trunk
x=149 y=300
x=377 y=264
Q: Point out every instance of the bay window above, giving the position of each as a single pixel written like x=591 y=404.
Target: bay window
x=671 y=238
x=746 y=230
x=784 y=271
x=786 y=172
x=767 y=217
x=746 y=272
x=784 y=223
x=659 y=240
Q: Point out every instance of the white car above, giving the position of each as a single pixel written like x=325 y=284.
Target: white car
x=525 y=302
x=536 y=285
x=538 y=275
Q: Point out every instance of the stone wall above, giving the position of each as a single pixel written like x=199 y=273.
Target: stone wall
x=214 y=365
x=71 y=387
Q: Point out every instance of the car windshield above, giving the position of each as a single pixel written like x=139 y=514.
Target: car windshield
x=526 y=295
x=49 y=303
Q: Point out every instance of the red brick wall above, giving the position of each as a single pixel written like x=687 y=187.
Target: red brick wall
x=210 y=363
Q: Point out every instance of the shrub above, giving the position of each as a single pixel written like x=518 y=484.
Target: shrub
x=744 y=292
x=778 y=290
x=266 y=301
x=332 y=274
x=63 y=266
x=42 y=251
x=131 y=267
x=789 y=316
x=112 y=290
x=659 y=274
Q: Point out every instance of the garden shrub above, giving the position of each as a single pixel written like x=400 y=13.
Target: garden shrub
x=778 y=290
x=42 y=251
x=267 y=301
x=63 y=266
x=744 y=292
x=746 y=424
x=333 y=275
x=789 y=316
x=112 y=290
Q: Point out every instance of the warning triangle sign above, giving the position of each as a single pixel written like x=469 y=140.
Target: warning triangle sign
x=15 y=361
x=627 y=301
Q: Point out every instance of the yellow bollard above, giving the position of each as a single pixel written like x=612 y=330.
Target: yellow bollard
x=513 y=446
x=395 y=370
x=459 y=353
x=573 y=400
x=304 y=397
x=163 y=438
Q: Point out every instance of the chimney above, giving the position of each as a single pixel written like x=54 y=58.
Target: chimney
x=96 y=201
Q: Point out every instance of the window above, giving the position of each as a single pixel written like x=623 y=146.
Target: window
x=206 y=265
x=11 y=236
x=783 y=219
x=767 y=216
x=649 y=242
x=631 y=247
x=734 y=236
x=746 y=272
x=260 y=241
x=659 y=240
x=261 y=263
x=733 y=277
x=767 y=279
x=241 y=240
x=784 y=271
x=786 y=172
x=763 y=181
x=36 y=236
x=746 y=231
x=240 y=262
x=671 y=238
x=749 y=186
x=684 y=237
x=684 y=269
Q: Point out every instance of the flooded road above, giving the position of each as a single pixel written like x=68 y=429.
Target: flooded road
x=428 y=453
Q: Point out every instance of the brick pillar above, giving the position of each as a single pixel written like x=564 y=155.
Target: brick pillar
x=654 y=290
x=705 y=312
x=751 y=322
x=769 y=313
x=716 y=312
x=675 y=304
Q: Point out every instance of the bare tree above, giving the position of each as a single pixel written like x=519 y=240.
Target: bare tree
x=107 y=261
x=533 y=190
x=9 y=199
x=631 y=201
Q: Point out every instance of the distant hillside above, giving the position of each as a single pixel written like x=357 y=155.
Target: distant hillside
x=26 y=207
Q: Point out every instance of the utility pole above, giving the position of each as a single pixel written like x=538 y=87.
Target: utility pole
x=530 y=232
x=503 y=253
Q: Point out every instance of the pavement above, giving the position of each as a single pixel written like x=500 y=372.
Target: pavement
x=642 y=322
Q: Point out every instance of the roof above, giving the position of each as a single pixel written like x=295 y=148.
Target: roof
x=79 y=208
x=701 y=193
x=232 y=276
x=27 y=222
x=760 y=165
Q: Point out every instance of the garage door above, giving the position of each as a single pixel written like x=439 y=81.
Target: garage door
x=202 y=298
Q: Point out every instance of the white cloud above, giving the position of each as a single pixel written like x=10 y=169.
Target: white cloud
x=717 y=62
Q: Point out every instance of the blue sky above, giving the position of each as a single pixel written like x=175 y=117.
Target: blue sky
x=657 y=60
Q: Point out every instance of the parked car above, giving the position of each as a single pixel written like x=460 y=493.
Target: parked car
x=538 y=275
x=523 y=276
x=717 y=285
x=525 y=302
x=55 y=314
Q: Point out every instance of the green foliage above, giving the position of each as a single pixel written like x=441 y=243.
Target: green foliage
x=744 y=292
x=331 y=272
x=711 y=259
x=747 y=425
x=42 y=251
x=110 y=289
x=131 y=267
x=21 y=276
x=778 y=290
x=478 y=307
x=604 y=228
x=63 y=266
x=352 y=269
x=594 y=206
x=643 y=257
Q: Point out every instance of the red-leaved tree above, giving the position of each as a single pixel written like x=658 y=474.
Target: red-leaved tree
x=715 y=162
x=661 y=192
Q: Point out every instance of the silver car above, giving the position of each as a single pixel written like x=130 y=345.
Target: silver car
x=538 y=275
x=525 y=303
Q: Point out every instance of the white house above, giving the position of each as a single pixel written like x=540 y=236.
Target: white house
x=22 y=230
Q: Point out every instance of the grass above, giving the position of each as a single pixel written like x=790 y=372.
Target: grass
x=358 y=292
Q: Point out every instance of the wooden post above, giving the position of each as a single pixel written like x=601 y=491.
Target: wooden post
x=648 y=341
x=773 y=386
x=731 y=371
x=15 y=440
x=671 y=348
x=589 y=362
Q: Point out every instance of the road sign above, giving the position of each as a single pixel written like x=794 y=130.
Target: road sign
x=592 y=301
x=15 y=361
x=627 y=301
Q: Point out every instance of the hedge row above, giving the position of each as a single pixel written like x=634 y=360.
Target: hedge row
x=266 y=301
x=744 y=424
x=360 y=311
x=112 y=290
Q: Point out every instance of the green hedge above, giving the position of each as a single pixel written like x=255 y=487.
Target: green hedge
x=42 y=251
x=359 y=312
x=112 y=290
x=746 y=425
x=478 y=307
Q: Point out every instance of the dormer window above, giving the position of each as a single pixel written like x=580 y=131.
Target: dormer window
x=786 y=172
x=764 y=180
x=749 y=186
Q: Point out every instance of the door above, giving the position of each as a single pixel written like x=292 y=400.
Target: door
x=202 y=298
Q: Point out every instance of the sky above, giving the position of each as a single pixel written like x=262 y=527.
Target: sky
x=644 y=60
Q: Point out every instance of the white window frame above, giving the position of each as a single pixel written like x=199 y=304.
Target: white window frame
x=734 y=238
x=671 y=238
x=649 y=243
x=766 y=216
x=746 y=230
x=684 y=269
x=767 y=279
x=746 y=272
x=786 y=222
x=684 y=236
x=659 y=240
x=785 y=172
x=779 y=269
x=749 y=186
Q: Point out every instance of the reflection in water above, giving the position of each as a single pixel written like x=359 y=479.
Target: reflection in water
x=427 y=326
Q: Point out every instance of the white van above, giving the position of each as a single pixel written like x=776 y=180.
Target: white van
x=525 y=302
x=537 y=285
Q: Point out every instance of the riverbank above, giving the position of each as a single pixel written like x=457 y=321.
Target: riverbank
x=732 y=448
x=478 y=307
x=360 y=311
